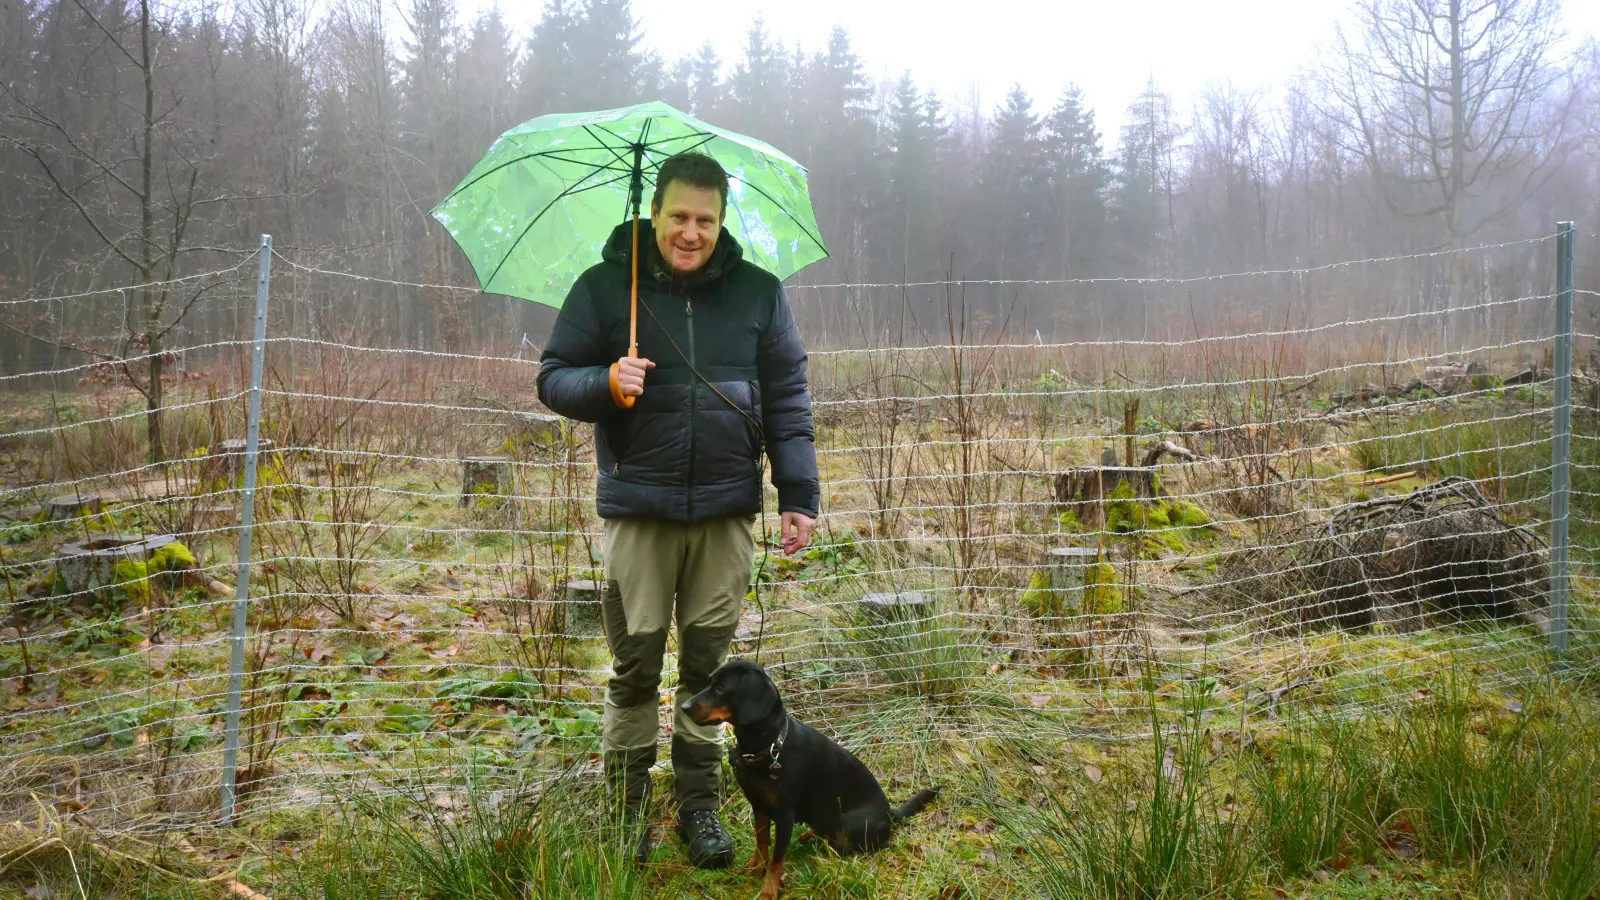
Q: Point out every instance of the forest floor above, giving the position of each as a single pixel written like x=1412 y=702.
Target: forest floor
x=412 y=694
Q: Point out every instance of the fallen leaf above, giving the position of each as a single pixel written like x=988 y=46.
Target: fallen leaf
x=1039 y=701
x=1093 y=773
x=1169 y=766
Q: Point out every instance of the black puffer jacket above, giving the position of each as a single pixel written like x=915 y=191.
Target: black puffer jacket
x=683 y=452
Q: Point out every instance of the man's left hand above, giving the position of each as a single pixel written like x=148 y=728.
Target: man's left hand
x=796 y=532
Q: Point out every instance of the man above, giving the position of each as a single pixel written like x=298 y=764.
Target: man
x=720 y=377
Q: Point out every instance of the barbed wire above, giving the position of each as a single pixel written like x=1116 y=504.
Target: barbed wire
x=1194 y=279
x=384 y=611
x=140 y=286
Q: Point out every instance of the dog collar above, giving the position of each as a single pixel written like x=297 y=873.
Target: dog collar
x=772 y=754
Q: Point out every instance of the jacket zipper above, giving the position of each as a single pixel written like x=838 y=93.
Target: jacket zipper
x=694 y=400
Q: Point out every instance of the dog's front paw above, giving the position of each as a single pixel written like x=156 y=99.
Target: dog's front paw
x=756 y=866
x=768 y=892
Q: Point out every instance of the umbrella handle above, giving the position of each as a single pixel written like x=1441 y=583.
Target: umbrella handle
x=617 y=397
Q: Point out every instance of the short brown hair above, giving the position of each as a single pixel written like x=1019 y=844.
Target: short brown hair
x=694 y=169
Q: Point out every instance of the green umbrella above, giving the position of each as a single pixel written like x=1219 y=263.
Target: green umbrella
x=537 y=209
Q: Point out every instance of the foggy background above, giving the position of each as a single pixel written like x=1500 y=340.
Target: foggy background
x=1018 y=142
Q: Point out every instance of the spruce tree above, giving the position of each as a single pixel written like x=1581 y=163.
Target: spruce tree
x=1077 y=176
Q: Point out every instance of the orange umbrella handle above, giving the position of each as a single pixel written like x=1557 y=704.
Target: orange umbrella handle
x=617 y=397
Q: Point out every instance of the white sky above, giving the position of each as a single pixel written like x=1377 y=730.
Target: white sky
x=1108 y=48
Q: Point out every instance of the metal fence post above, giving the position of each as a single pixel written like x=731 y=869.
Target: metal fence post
x=247 y=518
x=1561 y=442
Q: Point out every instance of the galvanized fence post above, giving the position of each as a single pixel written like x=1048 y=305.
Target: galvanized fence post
x=247 y=518
x=1561 y=443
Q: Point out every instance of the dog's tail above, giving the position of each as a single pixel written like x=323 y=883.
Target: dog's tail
x=913 y=806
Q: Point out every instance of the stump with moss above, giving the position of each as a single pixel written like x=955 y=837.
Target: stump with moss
x=485 y=478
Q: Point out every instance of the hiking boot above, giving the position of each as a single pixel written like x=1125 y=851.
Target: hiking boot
x=708 y=845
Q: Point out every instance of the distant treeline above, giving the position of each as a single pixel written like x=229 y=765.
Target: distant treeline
x=141 y=140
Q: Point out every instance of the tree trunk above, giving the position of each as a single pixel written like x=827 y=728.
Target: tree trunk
x=152 y=313
x=1457 y=165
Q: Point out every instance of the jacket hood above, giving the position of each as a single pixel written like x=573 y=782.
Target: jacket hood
x=619 y=251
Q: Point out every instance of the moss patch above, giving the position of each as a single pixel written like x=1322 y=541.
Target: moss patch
x=1168 y=524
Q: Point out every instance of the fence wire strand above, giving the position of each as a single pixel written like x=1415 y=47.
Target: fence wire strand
x=1316 y=518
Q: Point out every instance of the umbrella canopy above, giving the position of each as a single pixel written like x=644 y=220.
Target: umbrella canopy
x=537 y=209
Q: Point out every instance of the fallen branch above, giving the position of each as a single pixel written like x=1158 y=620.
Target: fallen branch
x=1387 y=479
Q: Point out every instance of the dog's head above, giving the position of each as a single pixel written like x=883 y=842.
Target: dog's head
x=739 y=692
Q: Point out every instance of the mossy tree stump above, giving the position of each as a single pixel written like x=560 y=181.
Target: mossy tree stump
x=484 y=475
x=94 y=566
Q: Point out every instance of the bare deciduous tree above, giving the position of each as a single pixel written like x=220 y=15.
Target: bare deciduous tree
x=1445 y=101
x=136 y=187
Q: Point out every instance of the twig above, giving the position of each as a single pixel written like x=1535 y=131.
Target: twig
x=16 y=619
x=1387 y=479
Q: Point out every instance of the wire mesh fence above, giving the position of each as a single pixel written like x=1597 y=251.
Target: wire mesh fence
x=1287 y=491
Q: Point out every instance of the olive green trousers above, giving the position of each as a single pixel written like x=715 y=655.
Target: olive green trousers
x=654 y=570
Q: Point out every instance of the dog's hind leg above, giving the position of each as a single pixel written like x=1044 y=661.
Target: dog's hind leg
x=758 y=863
x=780 y=850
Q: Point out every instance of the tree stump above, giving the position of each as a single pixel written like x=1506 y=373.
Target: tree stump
x=886 y=608
x=227 y=458
x=582 y=601
x=91 y=566
x=73 y=506
x=1086 y=488
x=1068 y=569
x=481 y=475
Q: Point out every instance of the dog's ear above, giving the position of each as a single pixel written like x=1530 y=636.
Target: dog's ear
x=758 y=698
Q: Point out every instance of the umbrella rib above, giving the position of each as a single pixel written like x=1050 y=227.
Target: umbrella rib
x=511 y=162
x=618 y=156
x=577 y=188
x=679 y=137
x=708 y=138
x=610 y=149
x=802 y=226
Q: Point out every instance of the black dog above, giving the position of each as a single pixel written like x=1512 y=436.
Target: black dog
x=790 y=772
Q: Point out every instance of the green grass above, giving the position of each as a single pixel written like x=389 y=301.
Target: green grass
x=1496 y=797
x=471 y=845
x=930 y=655
x=1159 y=829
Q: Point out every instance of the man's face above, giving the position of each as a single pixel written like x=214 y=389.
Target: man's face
x=687 y=224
